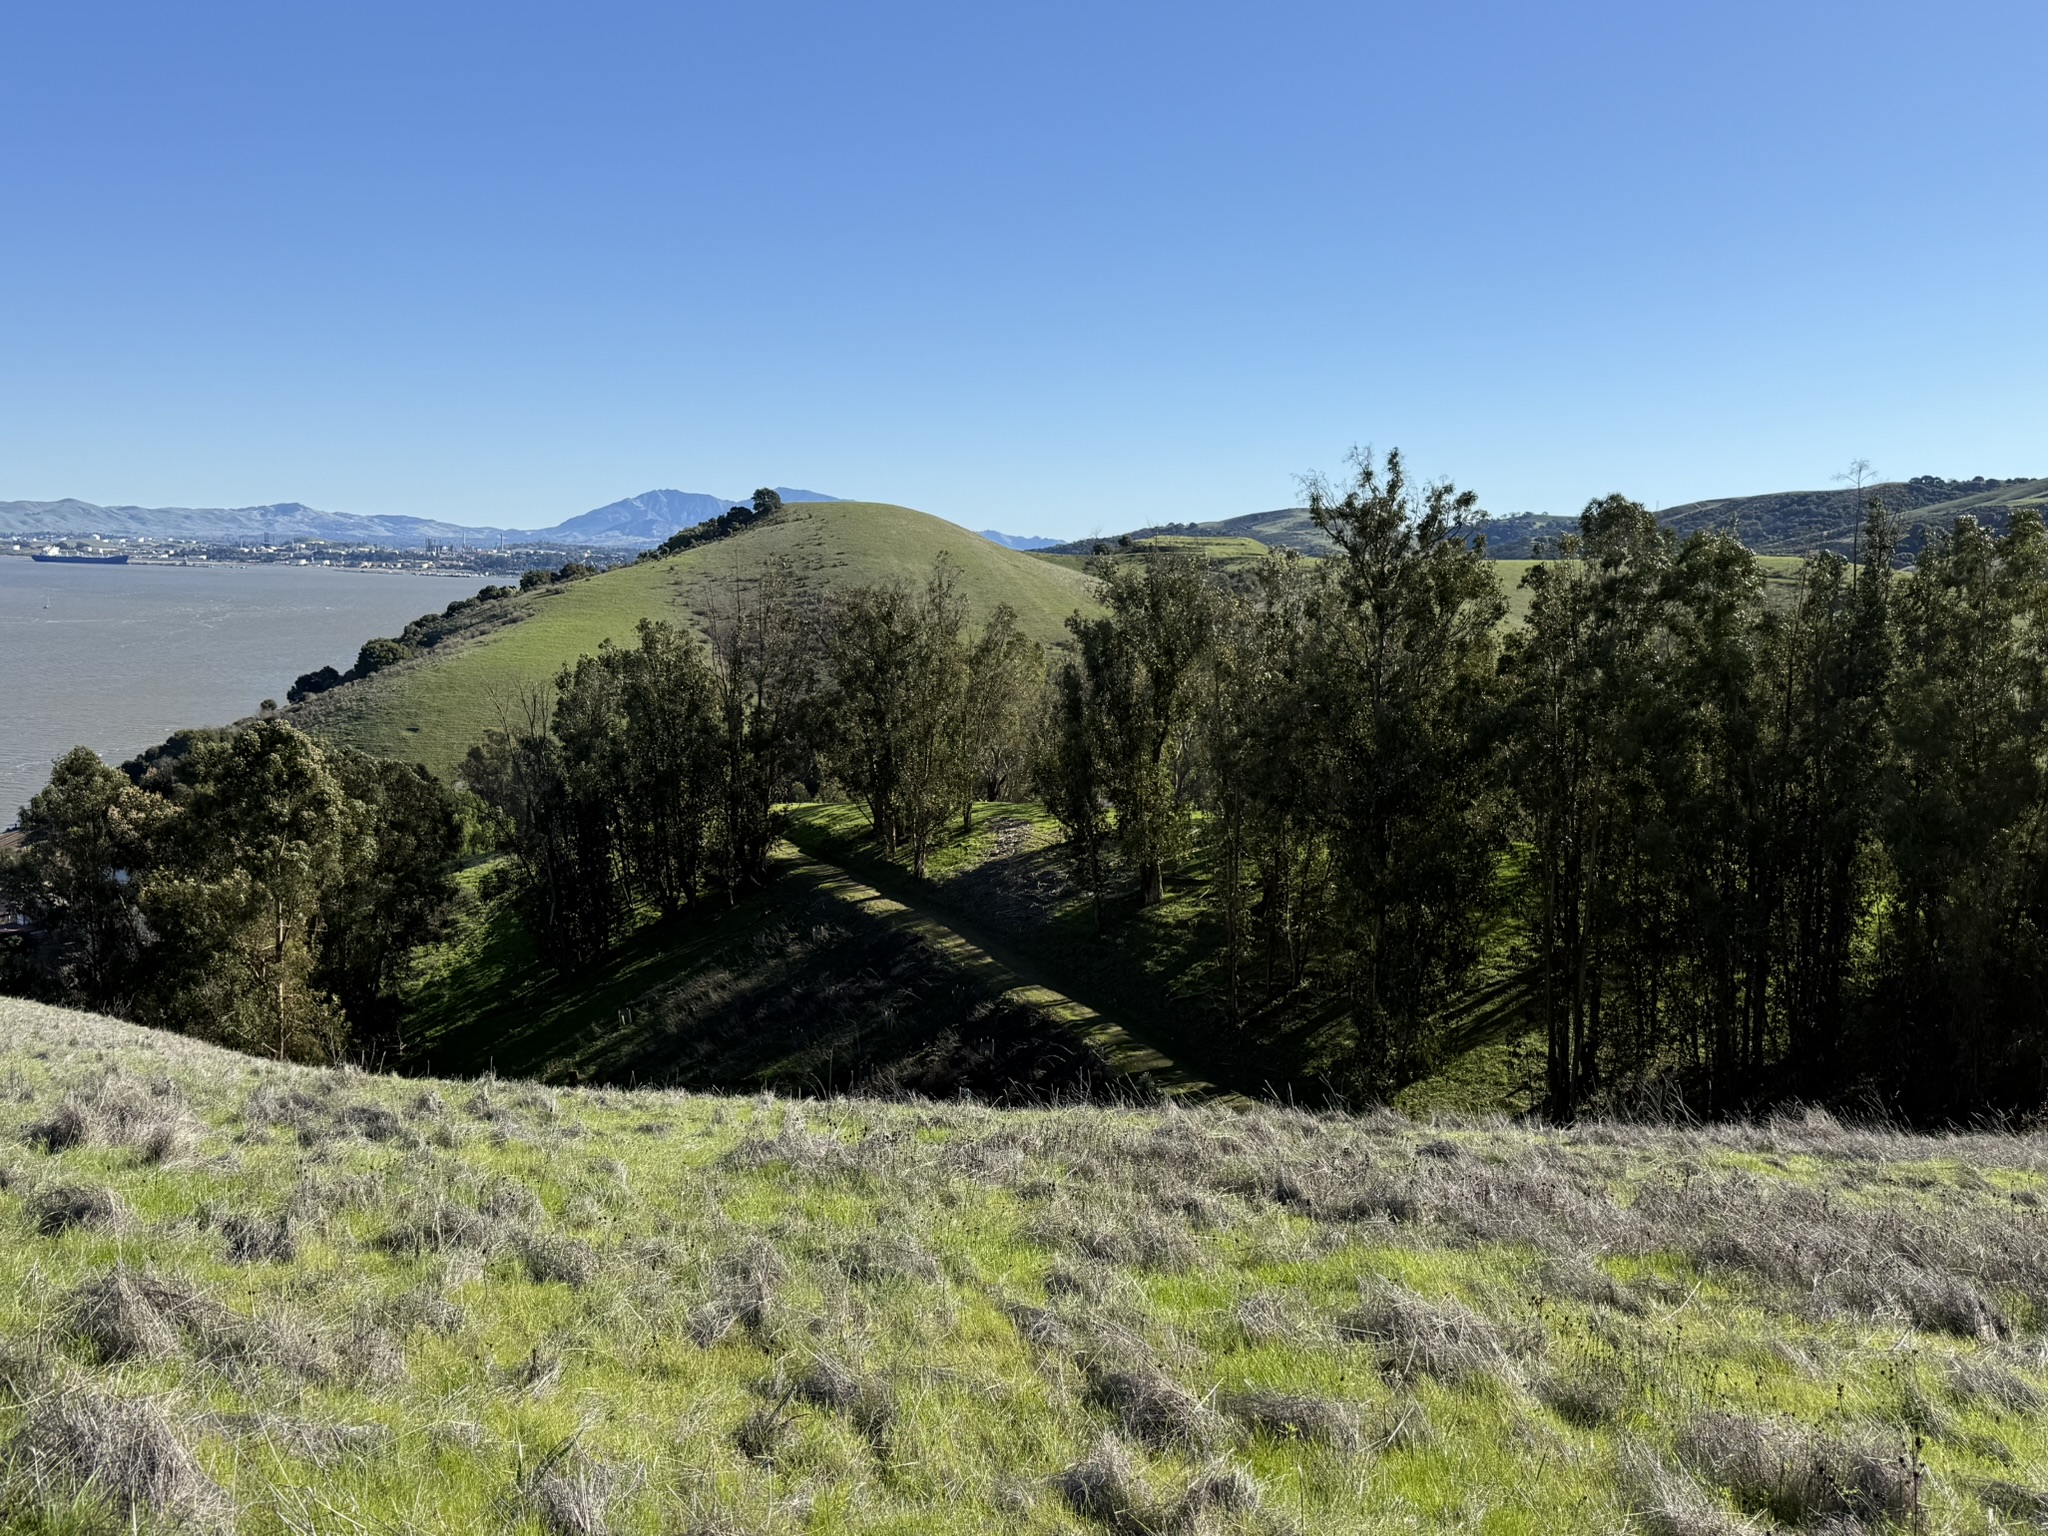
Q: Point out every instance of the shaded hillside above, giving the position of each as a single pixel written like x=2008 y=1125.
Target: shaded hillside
x=241 y=1297
x=430 y=709
x=1805 y=522
x=816 y=983
x=1778 y=523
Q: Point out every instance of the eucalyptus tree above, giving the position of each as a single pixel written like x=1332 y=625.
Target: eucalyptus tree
x=1266 y=777
x=1580 y=675
x=669 y=771
x=765 y=678
x=1403 y=681
x=1131 y=697
x=89 y=842
x=1965 y=820
x=1001 y=709
x=897 y=703
x=238 y=896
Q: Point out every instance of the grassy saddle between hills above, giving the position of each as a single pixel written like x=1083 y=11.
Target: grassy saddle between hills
x=254 y=1297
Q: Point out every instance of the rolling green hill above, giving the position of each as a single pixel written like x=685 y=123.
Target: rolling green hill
x=432 y=708
x=238 y=1296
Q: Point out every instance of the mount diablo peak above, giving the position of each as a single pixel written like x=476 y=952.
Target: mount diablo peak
x=652 y=516
x=637 y=522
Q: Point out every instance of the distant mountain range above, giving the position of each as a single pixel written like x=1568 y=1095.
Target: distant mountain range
x=1779 y=523
x=635 y=523
x=1017 y=540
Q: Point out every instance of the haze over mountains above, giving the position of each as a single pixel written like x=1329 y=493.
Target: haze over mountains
x=634 y=523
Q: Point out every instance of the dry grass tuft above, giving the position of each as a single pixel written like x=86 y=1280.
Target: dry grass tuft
x=1796 y=1475
x=1269 y=1319
x=123 y=1316
x=1221 y=1489
x=82 y=1444
x=567 y=1261
x=1666 y=1502
x=117 y=1112
x=1415 y=1335
x=878 y=1258
x=1587 y=1398
x=2016 y=1501
x=1041 y=1329
x=744 y=1285
x=437 y=1226
x=762 y=1433
x=1972 y=1379
x=864 y=1401
x=255 y=1240
x=1104 y=1487
x=63 y=1206
x=1128 y=1237
x=1153 y=1408
x=576 y=1503
x=1286 y=1416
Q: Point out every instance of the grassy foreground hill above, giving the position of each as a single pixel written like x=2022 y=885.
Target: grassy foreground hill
x=260 y=1298
x=431 y=709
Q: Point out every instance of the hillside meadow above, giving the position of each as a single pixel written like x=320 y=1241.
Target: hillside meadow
x=431 y=709
x=261 y=1298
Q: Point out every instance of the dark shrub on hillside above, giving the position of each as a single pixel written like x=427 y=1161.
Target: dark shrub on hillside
x=311 y=683
x=379 y=654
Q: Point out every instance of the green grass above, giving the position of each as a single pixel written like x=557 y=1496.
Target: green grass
x=431 y=709
x=345 y=1303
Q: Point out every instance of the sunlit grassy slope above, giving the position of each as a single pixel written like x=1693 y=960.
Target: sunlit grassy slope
x=237 y=1296
x=431 y=709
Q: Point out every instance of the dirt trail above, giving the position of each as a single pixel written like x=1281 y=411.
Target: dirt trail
x=1004 y=974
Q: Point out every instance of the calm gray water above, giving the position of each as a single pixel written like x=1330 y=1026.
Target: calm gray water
x=118 y=657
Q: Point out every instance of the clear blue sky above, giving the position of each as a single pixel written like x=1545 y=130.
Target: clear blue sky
x=1048 y=267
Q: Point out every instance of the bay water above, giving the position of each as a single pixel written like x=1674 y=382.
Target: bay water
x=116 y=657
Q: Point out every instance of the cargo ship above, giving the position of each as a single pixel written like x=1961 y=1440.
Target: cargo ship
x=55 y=556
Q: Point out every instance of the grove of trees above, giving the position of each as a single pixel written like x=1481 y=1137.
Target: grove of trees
x=1723 y=837
x=249 y=886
